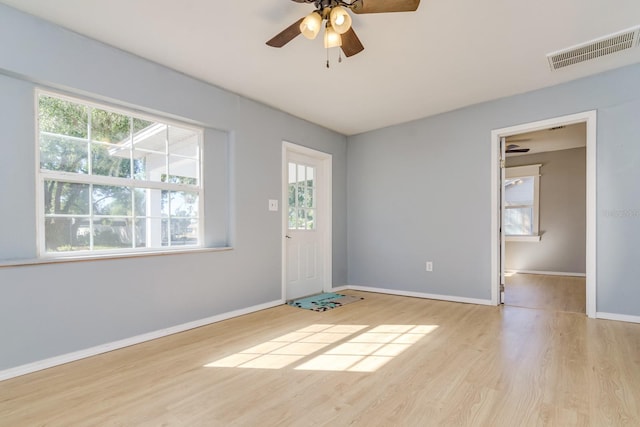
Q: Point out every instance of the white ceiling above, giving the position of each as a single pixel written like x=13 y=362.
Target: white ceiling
x=447 y=55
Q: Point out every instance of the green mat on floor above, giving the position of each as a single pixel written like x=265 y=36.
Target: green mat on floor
x=324 y=301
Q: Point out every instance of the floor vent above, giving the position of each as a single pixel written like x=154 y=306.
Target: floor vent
x=595 y=49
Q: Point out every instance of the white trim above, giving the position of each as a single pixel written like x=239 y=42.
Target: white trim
x=93 y=351
x=110 y=255
x=618 y=317
x=325 y=211
x=514 y=238
x=590 y=118
x=549 y=273
x=339 y=288
x=591 y=213
x=421 y=295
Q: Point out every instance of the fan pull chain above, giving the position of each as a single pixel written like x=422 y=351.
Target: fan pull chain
x=339 y=55
x=328 y=66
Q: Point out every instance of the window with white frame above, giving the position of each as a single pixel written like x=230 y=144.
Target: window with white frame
x=521 y=202
x=113 y=181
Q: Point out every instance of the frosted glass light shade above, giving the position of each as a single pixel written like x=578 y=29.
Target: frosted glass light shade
x=310 y=25
x=340 y=19
x=331 y=38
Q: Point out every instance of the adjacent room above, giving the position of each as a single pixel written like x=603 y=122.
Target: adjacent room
x=545 y=221
x=453 y=185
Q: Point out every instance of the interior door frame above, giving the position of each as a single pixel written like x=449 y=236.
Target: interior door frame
x=325 y=212
x=497 y=269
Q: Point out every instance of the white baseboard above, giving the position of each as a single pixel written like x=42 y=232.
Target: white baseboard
x=81 y=354
x=547 y=273
x=618 y=317
x=422 y=295
x=338 y=288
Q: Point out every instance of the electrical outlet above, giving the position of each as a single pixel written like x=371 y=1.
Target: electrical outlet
x=429 y=266
x=273 y=205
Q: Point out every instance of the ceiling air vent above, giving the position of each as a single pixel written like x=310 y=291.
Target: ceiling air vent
x=594 y=49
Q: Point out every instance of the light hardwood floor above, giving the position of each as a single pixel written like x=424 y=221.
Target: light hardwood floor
x=384 y=361
x=557 y=293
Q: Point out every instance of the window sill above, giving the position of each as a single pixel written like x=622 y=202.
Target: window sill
x=522 y=238
x=83 y=258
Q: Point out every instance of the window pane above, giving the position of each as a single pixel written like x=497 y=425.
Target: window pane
x=183 y=232
x=184 y=204
x=63 y=154
x=107 y=126
x=141 y=233
x=66 y=198
x=151 y=138
x=140 y=196
x=300 y=193
x=149 y=166
x=164 y=203
x=309 y=199
x=518 y=221
x=110 y=160
x=183 y=170
x=293 y=219
x=311 y=219
x=292 y=195
x=62 y=117
x=183 y=142
x=519 y=191
x=149 y=232
x=140 y=124
x=292 y=173
x=301 y=173
x=66 y=234
x=165 y=232
x=113 y=201
x=302 y=219
x=112 y=233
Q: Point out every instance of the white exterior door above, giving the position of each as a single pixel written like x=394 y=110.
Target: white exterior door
x=306 y=231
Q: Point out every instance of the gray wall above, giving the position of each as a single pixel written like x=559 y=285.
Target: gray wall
x=563 y=219
x=421 y=191
x=49 y=310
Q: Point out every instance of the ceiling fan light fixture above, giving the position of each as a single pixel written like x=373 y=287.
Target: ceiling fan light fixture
x=340 y=19
x=310 y=25
x=332 y=38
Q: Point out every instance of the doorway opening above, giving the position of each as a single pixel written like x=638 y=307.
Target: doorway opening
x=306 y=221
x=503 y=224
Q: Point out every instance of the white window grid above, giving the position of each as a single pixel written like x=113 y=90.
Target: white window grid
x=132 y=183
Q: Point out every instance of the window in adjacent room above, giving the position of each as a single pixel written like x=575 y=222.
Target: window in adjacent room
x=114 y=181
x=521 y=203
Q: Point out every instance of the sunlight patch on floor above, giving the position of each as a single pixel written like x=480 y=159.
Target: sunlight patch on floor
x=327 y=347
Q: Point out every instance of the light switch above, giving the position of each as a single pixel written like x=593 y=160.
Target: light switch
x=273 y=205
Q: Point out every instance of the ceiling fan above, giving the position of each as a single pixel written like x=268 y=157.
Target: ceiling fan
x=515 y=148
x=338 y=30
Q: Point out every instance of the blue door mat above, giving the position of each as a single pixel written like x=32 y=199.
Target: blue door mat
x=324 y=301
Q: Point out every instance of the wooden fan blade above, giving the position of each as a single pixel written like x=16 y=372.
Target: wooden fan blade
x=351 y=43
x=382 y=6
x=285 y=36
